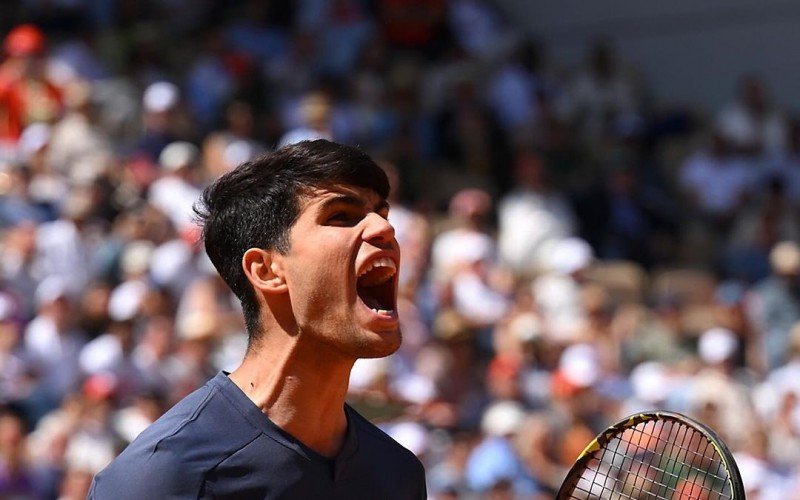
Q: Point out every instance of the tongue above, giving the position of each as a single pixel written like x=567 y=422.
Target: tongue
x=371 y=302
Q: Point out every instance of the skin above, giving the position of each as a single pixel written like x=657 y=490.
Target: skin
x=314 y=324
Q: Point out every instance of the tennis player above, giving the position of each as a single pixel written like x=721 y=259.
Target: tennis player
x=301 y=237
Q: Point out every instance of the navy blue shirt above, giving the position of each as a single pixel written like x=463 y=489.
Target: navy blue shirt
x=216 y=443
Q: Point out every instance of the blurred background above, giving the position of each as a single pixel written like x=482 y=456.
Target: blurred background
x=597 y=204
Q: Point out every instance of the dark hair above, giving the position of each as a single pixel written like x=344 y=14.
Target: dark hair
x=256 y=204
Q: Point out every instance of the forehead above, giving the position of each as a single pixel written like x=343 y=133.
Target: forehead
x=317 y=198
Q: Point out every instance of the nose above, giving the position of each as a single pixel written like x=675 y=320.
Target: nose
x=378 y=229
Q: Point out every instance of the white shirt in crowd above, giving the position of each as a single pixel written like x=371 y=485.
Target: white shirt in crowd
x=528 y=221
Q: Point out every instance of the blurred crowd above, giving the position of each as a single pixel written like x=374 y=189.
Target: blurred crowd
x=575 y=249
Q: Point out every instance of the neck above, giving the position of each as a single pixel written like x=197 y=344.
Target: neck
x=301 y=387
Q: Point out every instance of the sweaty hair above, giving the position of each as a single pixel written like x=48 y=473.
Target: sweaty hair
x=256 y=204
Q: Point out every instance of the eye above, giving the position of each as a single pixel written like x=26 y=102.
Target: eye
x=343 y=219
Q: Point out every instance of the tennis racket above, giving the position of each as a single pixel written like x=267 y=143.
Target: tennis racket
x=654 y=456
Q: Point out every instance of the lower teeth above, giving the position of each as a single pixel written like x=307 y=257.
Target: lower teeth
x=383 y=311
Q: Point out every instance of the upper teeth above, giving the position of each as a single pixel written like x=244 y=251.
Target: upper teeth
x=382 y=262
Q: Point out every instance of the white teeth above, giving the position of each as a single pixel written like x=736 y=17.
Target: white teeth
x=383 y=311
x=382 y=262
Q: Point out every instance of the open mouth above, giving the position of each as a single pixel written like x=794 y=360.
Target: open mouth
x=375 y=286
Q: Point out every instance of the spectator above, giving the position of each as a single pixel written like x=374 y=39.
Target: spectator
x=557 y=292
x=716 y=393
x=752 y=123
x=494 y=460
x=110 y=355
x=774 y=308
x=467 y=242
x=766 y=222
x=159 y=101
x=53 y=345
x=78 y=146
x=314 y=120
x=513 y=95
x=531 y=216
x=603 y=92
x=63 y=246
x=27 y=95
x=777 y=399
x=716 y=182
x=236 y=142
x=16 y=476
x=175 y=191
x=14 y=385
x=18 y=264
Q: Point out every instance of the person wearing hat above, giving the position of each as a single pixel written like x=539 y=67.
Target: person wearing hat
x=773 y=307
x=531 y=216
x=51 y=344
x=468 y=241
x=175 y=191
x=160 y=116
x=302 y=238
x=494 y=462
x=26 y=94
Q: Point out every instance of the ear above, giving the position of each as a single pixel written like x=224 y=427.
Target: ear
x=263 y=271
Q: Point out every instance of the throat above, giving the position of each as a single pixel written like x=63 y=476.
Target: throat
x=303 y=400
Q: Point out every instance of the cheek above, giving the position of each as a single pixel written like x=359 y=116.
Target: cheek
x=321 y=274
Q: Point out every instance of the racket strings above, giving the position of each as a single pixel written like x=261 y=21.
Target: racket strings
x=651 y=482
x=655 y=460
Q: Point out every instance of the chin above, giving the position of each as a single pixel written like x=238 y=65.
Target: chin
x=386 y=343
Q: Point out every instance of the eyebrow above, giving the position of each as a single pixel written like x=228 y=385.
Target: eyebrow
x=346 y=199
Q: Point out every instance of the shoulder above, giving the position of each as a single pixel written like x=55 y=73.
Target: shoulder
x=173 y=456
x=382 y=466
x=375 y=442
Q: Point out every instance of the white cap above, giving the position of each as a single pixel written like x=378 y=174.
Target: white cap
x=651 y=382
x=570 y=255
x=717 y=345
x=125 y=300
x=502 y=418
x=49 y=290
x=177 y=155
x=580 y=365
x=160 y=97
x=136 y=257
